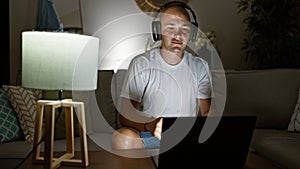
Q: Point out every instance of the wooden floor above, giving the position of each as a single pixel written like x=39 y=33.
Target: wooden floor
x=106 y=160
x=102 y=159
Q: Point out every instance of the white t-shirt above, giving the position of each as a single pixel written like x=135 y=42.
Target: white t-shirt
x=167 y=90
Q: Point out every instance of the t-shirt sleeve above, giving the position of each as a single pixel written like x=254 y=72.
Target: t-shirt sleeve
x=204 y=81
x=135 y=81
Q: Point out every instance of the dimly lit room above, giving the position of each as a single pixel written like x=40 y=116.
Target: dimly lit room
x=83 y=87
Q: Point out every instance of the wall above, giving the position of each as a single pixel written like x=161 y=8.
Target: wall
x=221 y=16
x=68 y=12
x=122 y=29
x=218 y=15
x=22 y=17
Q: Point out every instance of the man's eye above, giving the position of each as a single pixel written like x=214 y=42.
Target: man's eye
x=170 y=27
x=185 y=29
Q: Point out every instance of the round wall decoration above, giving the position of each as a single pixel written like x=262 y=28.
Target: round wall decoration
x=149 y=6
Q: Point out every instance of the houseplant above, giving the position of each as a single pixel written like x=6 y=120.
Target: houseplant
x=272 y=32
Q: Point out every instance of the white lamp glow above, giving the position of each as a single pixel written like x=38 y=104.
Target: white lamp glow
x=50 y=59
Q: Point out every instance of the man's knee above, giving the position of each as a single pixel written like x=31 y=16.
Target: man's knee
x=126 y=138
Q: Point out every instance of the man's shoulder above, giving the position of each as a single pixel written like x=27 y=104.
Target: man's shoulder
x=141 y=55
x=194 y=59
x=145 y=56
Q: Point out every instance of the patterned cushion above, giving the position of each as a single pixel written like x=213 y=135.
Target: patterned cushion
x=9 y=125
x=294 y=124
x=24 y=102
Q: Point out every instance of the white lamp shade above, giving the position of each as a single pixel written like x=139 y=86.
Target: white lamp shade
x=59 y=61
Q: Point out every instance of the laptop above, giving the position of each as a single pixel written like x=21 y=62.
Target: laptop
x=224 y=142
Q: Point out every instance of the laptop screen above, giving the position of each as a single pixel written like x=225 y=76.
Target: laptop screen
x=228 y=145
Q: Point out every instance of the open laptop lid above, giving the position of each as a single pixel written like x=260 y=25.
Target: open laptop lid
x=228 y=146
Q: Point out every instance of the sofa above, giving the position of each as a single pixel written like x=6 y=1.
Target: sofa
x=270 y=95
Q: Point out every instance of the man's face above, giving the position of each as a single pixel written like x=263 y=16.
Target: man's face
x=175 y=29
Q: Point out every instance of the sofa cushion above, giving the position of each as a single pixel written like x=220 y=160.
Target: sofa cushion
x=24 y=102
x=280 y=146
x=105 y=96
x=9 y=125
x=268 y=94
x=15 y=149
x=294 y=124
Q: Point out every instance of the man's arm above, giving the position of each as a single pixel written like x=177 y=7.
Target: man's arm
x=134 y=119
x=204 y=106
x=128 y=116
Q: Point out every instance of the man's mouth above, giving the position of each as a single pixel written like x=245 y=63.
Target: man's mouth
x=176 y=42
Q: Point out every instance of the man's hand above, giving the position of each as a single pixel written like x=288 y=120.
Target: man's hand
x=155 y=127
x=158 y=129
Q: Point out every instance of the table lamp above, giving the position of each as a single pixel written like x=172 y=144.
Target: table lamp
x=59 y=61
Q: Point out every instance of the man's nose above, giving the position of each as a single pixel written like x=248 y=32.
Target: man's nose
x=178 y=33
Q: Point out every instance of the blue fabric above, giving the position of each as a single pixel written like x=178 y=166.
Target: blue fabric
x=149 y=140
x=47 y=17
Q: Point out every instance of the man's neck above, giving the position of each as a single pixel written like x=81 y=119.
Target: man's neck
x=172 y=58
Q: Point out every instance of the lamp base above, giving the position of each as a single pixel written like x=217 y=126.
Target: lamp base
x=49 y=106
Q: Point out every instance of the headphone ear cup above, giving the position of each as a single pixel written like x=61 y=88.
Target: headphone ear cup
x=156 y=30
x=194 y=31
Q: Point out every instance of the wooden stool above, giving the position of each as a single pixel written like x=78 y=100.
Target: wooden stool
x=68 y=158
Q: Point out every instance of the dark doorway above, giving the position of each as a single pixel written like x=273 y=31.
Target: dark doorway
x=4 y=63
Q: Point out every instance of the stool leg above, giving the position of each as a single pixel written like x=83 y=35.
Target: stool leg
x=82 y=133
x=69 y=130
x=38 y=133
x=49 y=135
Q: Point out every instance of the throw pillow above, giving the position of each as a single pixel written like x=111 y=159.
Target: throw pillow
x=294 y=124
x=24 y=102
x=9 y=125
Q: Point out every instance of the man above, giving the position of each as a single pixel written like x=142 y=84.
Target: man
x=162 y=82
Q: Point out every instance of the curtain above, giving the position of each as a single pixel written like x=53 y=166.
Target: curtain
x=48 y=19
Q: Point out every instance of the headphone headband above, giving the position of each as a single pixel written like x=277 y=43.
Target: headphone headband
x=156 y=34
